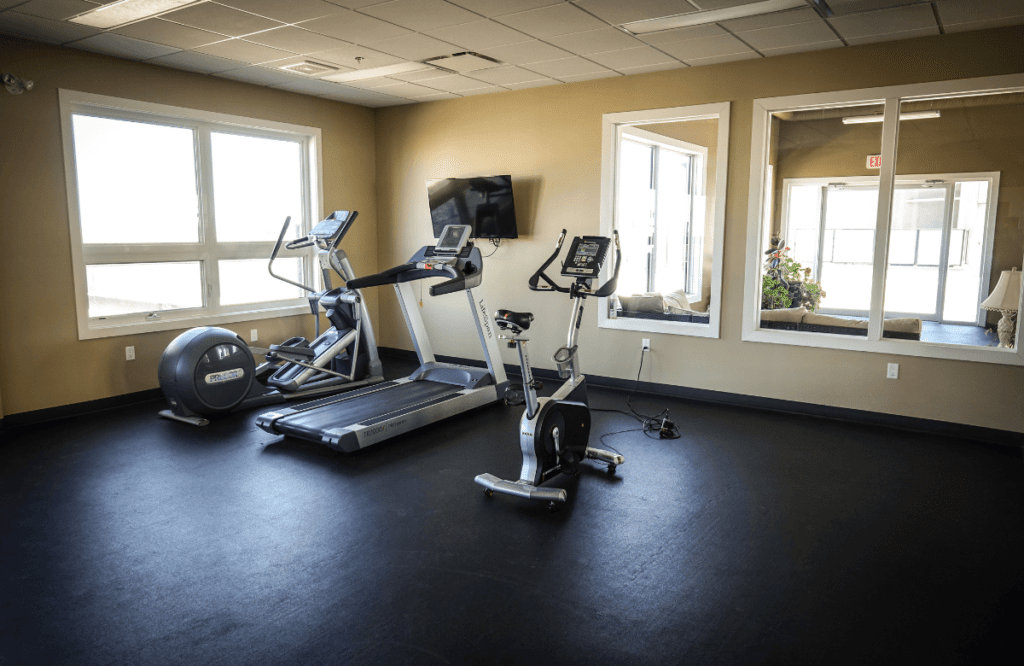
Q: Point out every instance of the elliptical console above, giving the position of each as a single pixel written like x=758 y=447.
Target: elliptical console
x=554 y=432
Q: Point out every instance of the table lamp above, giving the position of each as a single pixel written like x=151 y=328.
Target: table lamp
x=1005 y=298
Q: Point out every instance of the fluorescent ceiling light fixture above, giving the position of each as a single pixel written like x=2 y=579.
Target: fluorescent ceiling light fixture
x=711 y=16
x=126 y=11
x=467 y=61
x=377 y=72
x=913 y=115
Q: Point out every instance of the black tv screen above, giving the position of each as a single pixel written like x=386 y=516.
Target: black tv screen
x=485 y=203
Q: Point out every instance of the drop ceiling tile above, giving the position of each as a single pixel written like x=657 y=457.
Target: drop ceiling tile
x=788 y=35
x=42 y=30
x=416 y=77
x=296 y=40
x=347 y=57
x=802 y=48
x=532 y=84
x=481 y=91
x=258 y=75
x=355 y=4
x=559 y=69
x=716 y=60
x=788 y=17
x=124 y=47
x=373 y=84
x=575 y=78
x=455 y=83
x=722 y=4
x=626 y=71
x=436 y=96
x=985 y=24
x=409 y=90
x=363 y=97
x=290 y=11
x=421 y=15
x=900 y=19
x=57 y=10
x=708 y=47
x=560 y=19
x=892 y=36
x=618 y=12
x=501 y=76
x=170 y=34
x=842 y=7
x=414 y=46
x=239 y=49
x=523 y=53
x=500 y=7
x=218 y=18
x=196 y=62
x=679 y=34
x=307 y=86
x=353 y=27
x=479 y=35
x=628 y=58
x=957 y=12
x=7 y=4
x=595 y=41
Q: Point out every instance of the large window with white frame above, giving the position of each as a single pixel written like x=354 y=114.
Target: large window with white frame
x=662 y=191
x=883 y=220
x=174 y=213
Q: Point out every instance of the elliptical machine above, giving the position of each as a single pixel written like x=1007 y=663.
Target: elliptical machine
x=554 y=432
x=208 y=370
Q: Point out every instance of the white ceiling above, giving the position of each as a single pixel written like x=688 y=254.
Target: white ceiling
x=539 y=42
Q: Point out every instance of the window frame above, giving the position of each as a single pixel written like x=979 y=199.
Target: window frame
x=891 y=97
x=613 y=125
x=207 y=252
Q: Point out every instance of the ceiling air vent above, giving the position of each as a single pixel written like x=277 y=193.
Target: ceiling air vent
x=309 y=68
x=463 y=62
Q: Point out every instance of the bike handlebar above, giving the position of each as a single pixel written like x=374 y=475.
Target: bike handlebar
x=605 y=290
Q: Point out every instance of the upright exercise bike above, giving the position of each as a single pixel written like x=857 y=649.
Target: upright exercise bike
x=554 y=432
x=208 y=370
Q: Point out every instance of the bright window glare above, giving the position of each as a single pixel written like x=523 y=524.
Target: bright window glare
x=257 y=183
x=247 y=281
x=117 y=289
x=136 y=182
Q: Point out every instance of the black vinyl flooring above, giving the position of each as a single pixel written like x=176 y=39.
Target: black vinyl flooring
x=754 y=538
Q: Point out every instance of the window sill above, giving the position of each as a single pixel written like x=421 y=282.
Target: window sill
x=94 y=329
x=698 y=324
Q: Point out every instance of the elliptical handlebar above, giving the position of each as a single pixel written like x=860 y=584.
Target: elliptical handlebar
x=306 y=241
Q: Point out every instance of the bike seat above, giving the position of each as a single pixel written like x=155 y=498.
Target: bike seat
x=518 y=319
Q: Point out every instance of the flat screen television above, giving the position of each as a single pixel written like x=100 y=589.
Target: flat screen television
x=485 y=203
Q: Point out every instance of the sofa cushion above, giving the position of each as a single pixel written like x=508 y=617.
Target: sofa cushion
x=789 y=315
x=643 y=303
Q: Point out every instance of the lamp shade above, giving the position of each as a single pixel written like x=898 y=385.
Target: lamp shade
x=1006 y=295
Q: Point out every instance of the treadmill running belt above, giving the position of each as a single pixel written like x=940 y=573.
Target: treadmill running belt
x=312 y=423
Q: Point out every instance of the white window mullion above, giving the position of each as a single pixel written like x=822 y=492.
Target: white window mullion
x=883 y=221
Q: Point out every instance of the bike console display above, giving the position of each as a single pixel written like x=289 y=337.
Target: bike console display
x=586 y=257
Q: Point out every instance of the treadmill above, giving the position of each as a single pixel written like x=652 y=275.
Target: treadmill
x=435 y=391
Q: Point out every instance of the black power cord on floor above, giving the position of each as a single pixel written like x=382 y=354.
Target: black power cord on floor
x=659 y=423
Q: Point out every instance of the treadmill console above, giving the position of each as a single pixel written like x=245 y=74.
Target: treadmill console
x=329 y=228
x=586 y=257
x=453 y=239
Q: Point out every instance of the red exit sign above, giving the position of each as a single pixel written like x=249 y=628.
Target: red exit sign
x=874 y=161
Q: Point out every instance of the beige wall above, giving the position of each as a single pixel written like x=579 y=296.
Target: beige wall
x=551 y=138
x=47 y=365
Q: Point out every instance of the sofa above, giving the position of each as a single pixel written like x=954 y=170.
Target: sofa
x=673 y=306
x=802 y=319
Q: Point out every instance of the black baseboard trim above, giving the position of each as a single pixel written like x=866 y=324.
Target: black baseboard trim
x=78 y=409
x=909 y=423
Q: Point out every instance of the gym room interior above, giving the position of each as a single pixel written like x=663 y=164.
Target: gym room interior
x=804 y=507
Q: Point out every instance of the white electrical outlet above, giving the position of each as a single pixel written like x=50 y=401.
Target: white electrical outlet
x=253 y=335
x=129 y=353
x=893 y=371
x=645 y=344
